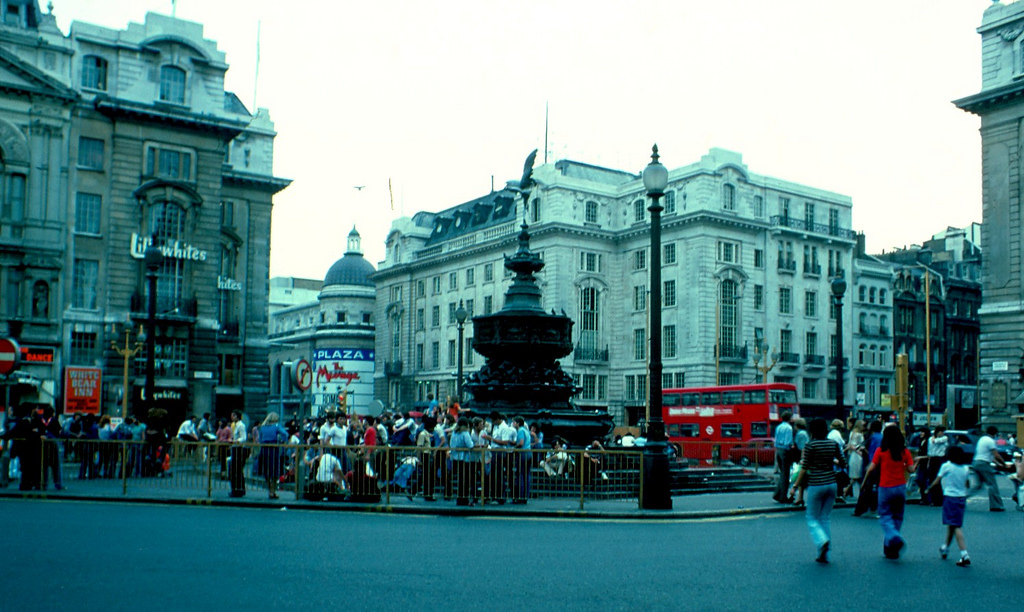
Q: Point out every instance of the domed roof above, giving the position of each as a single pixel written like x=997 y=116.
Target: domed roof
x=352 y=269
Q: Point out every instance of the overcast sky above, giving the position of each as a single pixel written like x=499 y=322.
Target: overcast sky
x=439 y=97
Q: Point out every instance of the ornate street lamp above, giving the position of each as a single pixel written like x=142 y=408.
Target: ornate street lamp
x=460 y=316
x=838 y=289
x=154 y=258
x=656 y=494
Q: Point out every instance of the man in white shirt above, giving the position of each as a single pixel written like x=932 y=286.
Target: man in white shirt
x=985 y=454
x=502 y=438
x=187 y=430
x=239 y=455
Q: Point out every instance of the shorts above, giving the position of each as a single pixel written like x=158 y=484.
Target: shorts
x=953 y=511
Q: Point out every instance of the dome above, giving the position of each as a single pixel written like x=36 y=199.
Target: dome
x=352 y=269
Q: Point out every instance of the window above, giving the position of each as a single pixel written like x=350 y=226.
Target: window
x=758 y=206
x=668 y=253
x=881 y=296
x=811 y=304
x=94 y=72
x=594 y=386
x=809 y=215
x=396 y=293
x=728 y=322
x=784 y=208
x=87 y=213
x=590 y=318
x=638 y=211
x=453 y=358
x=759 y=259
x=435 y=285
x=732 y=430
x=421 y=319
x=758 y=297
x=172 y=85
x=340 y=317
x=785 y=300
x=786 y=341
x=669 y=293
x=452 y=307
x=470 y=277
x=640 y=260
x=811 y=343
x=419 y=356
x=435 y=316
x=227 y=214
x=170 y=358
x=488 y=304
x=90 y=153
x=590 y=262
x=728 y=197
x=535 y=210
x=728 y=252
x=590 y=215
x=435 y=355
x=453 y=281
x=810 y=388
x=670 y=201
x=639 y=345
x=668 y=342
x=833 y=221
x=488 y=272
x=170 y=163
x=640 y=298
x=421 y=289
x=85 y=275
x=83 y=347
x=871 y=295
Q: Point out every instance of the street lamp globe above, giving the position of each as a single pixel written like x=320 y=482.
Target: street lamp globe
x=461 y=314
x=153 y=257
x=838 y=287
x=655 y=176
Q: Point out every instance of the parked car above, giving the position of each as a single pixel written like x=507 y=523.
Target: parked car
x=760 y=450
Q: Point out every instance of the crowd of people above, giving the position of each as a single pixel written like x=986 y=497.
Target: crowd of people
x=820 y=463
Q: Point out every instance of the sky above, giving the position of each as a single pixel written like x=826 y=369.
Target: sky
x=444 y=99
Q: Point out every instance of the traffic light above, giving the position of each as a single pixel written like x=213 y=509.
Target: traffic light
x=902 y=375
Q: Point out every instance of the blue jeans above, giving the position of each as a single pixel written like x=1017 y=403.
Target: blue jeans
x=892 y=502
x=819 y=500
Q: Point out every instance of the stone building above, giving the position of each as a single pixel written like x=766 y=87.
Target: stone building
x=1000 y=105
x=747 y=261
x=148 y=143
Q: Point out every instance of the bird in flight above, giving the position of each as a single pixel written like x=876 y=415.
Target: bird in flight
x=359 y=187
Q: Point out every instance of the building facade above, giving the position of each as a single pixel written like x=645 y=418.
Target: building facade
x=1000 y=105
x=155 y=149
x=747 y=261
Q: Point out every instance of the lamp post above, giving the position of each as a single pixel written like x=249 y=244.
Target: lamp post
x=656 y=494
x=838 y=289
x=127 y=351
x=154 y=258
x=767 y=367
x=460 y=316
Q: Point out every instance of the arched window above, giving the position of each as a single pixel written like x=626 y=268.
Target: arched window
x=860 y=354
x=94 y=72
x=728 y=197
x=12 y=198
x=881 y=296
x=861 y=293
x=590 y=319
x=172 y=85
x=167 y=224
x=871 y=295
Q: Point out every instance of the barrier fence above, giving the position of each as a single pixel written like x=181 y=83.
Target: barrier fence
x=476 y=476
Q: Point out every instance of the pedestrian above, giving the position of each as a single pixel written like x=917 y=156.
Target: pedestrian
x=867 y=500
x=855 y=452
x=817 y=473
x=463 y=462
x=425 y=442
x=985 y=454
x=800 y=440
x=271 y=436
x=52 y=462
x=523 y=462
x=835 y=433
x=239 y=454
x=223 y=445
x=893 y=462
x=784 y=457
x=952 y=476
x=938 y=445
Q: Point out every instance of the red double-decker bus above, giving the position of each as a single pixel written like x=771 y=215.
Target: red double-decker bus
x=706 y=422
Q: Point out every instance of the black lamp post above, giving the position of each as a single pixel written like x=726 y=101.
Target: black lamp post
x=460 y=316
x=838 y=289
x=656 y=494
x=154 y=258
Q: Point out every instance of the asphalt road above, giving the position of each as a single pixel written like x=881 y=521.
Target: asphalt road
x=111 y=556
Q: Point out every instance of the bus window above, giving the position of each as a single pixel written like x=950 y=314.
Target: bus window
x=732 y=397
x=683 y=430
x=782 y=396
x=732 y=430
x=672 y=399
x=711 y=399
x=691 y=399
x=759 y=430
x=754 y=397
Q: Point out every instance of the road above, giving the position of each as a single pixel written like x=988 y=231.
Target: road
x=121 y=556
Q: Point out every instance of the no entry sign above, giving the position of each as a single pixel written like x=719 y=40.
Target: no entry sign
x=10 y=353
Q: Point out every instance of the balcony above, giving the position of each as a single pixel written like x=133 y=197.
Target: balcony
x=802 y=225
x=587 y=353
x=832 y=362
x=814 y=361
x=393 y=368
x=732 y=352
x=812 y=269
x=792 y=359
x=787 y=266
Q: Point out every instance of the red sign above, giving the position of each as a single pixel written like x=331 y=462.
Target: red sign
x=82 y=390
x=303 y=375
x=9 y=355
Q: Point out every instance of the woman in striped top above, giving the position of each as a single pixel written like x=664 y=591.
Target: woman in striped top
x=818 y=473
